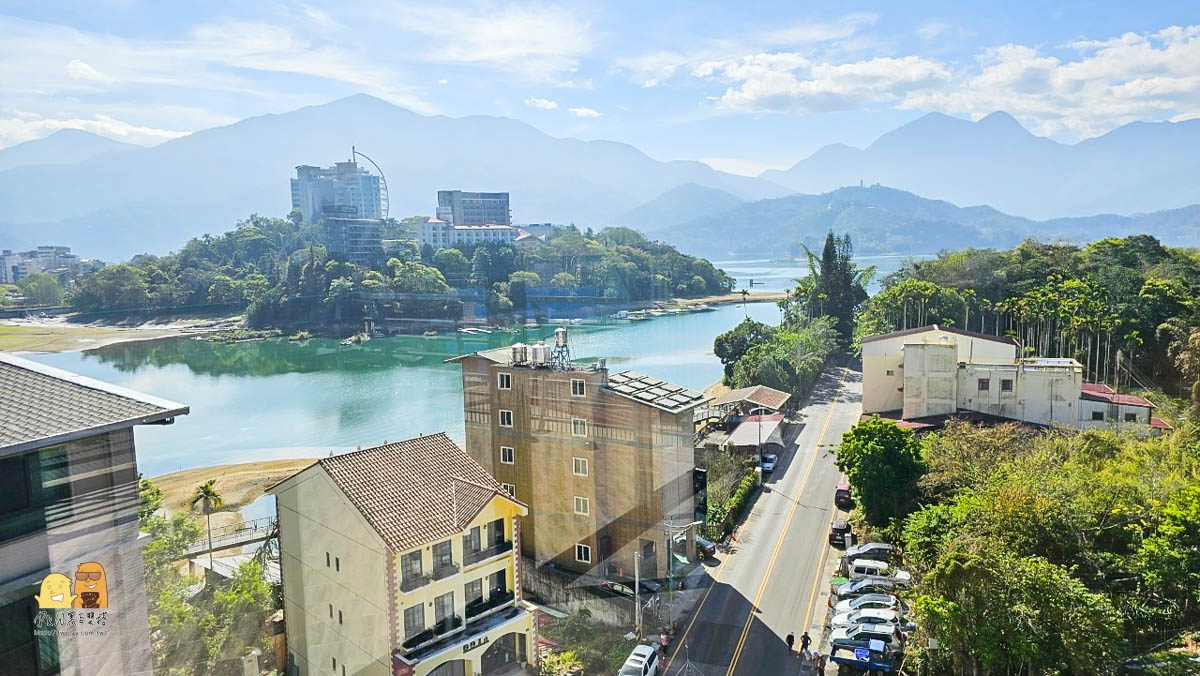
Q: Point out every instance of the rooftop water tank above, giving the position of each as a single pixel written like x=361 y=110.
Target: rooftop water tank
x=520 y=353
x=560 y=337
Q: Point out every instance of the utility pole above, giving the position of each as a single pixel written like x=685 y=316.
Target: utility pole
x=637 y=601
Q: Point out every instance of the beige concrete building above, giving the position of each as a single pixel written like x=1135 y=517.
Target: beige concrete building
x=933 y=372
x=604 y=461
x=69 y=498
x=399 y=560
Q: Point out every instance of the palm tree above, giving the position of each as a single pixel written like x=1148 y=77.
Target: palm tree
x=744 y=306
x=210 y=499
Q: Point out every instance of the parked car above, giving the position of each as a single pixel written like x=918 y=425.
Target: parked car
x=870 y=585
x=866 y=616
x=643 y=661
x=768 y=462
x=878 y=551
x=705 y=548
x=859 y=569
x=839 y=533
x=867 y=601
x=842 y=497
x=888 y=633
x=625 y=587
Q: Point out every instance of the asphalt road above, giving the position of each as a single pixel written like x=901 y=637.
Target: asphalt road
x=765 y=586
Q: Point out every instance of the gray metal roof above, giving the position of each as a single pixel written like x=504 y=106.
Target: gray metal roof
x=654 y=392
x=41 y=405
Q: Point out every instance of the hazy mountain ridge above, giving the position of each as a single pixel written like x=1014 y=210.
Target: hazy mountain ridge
x=65 y=146
x=207 y=180
x=1139 y=167
x=884 y=220
x=679 y=205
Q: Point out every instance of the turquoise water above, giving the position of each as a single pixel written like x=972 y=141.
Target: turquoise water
x=770 y=275
x=278 y=399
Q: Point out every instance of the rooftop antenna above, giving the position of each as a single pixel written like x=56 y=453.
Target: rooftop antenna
x=383 y=189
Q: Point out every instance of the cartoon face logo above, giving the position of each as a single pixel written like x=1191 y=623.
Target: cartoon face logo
x=91 y=589
x=56 y=592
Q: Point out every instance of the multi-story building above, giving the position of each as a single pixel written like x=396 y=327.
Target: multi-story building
x=57 y=260
x=343 y=190
x=69 y=501
x=605 y=462
x=473 y=208
x=358 y=240
x=399 y=560
x=921 y=376
x=441 y=234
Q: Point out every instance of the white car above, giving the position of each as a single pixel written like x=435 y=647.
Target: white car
x=888 y=633
x=867 y=601
x=861 y=569
x=643 y=661
x=866 y=616
x=768 y=462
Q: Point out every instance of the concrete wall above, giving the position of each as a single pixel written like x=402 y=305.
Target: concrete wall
x=881 y=390
x=1114 y=414
x=316 y=519
x=96 y=523
x=929 y=379
x=1041 y=395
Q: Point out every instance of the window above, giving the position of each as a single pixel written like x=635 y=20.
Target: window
x=410 y=565
x=334 y=664
x=579 y=466
x=339 y=617
x=504 y=381
x=414 y=619
x=327 y=562
x=583 y=506
x=495 y=532
x=890 y=372
x=578 y=427
x=443 y=555
x=512 y=490
x=506 y=455
x=443 y=607
x=471 y=540
x=505 y=418
x=474 y=591
x=1097 y=415
x=578 y=387
x=1130 y=417
x=583 y=553
x=496 y=584
x=331 y=611
x=337 y=563
x=985 y=385
x=1006 y=385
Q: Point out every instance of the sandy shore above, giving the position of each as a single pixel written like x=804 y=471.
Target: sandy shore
x=734 y=298
x=57 y=334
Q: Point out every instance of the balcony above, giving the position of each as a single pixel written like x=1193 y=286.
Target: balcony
x=480 y=608
x=447 y=625
x=419 y=639
x=472 y=558
x=411 y=582
x=445 y=570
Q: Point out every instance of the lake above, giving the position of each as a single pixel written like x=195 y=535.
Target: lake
x=768 y=275
x=280 y=399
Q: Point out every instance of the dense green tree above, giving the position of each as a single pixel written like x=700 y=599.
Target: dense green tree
x=113 y=287
x=883 y=463
x=453 y=265
x=834 y=287
x=41 y=289
x=150 y=498
x=732 y=345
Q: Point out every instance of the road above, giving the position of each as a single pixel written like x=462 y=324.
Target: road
x=765 y=586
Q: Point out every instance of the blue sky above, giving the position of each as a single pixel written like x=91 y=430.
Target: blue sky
x=744 y=86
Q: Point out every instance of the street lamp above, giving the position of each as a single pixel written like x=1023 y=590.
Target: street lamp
x=667 y=528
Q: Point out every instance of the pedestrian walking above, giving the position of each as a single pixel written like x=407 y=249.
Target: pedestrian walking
x=662 y=638
x=805 y=641
x=791 y=639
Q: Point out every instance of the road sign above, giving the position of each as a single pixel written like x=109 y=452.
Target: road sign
x=862 y=654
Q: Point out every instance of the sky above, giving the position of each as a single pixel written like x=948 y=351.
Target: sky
x=743 y=86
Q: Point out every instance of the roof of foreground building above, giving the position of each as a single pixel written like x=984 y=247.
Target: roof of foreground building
x=654 y=392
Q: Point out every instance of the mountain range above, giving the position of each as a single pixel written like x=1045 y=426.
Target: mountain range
x=112 y=200
x=884 y=220
x=1138 y=167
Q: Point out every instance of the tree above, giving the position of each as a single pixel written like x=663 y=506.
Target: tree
x=561 y=663
x=883 y=463
x=113 y=287
x=41 y=289
x=453 y=265
x=730 y=346
x=519 y=284
x=834 y=286
x=1170 y=558
x=565 y=281
x=481 y=267
x=150 y=498
x=207 y=496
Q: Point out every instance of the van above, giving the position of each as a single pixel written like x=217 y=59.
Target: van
x=643 y=661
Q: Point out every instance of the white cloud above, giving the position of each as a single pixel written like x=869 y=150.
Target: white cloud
x=81 y=70
x=26 y=127
x=930 y=30
x=537 y=42
x=584 y=112
x=443 y=81
x=539 y=102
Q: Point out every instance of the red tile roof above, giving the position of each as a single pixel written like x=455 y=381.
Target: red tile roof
x=1160 y=424
x=1102 y=392
x=760 y=395
x=414 y=491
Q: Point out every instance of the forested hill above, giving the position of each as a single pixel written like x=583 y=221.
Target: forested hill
x=884 y=220
x=280 y=268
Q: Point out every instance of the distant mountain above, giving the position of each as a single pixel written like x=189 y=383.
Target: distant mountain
x=678 y=205
x=1139 y=167
x=884 y=220
x=159 y=197
x=65 y=146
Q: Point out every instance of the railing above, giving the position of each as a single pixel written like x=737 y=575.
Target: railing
x=471 y=558
x=445 y=570
x=481 y=607
x=411 y=582
x=447 y=625
x=419 y=639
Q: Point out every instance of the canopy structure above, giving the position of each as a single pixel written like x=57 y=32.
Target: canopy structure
x=767 y=429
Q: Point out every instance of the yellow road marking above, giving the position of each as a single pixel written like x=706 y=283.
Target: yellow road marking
x=686 y=630
x=737 y=652
x=812 y=598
